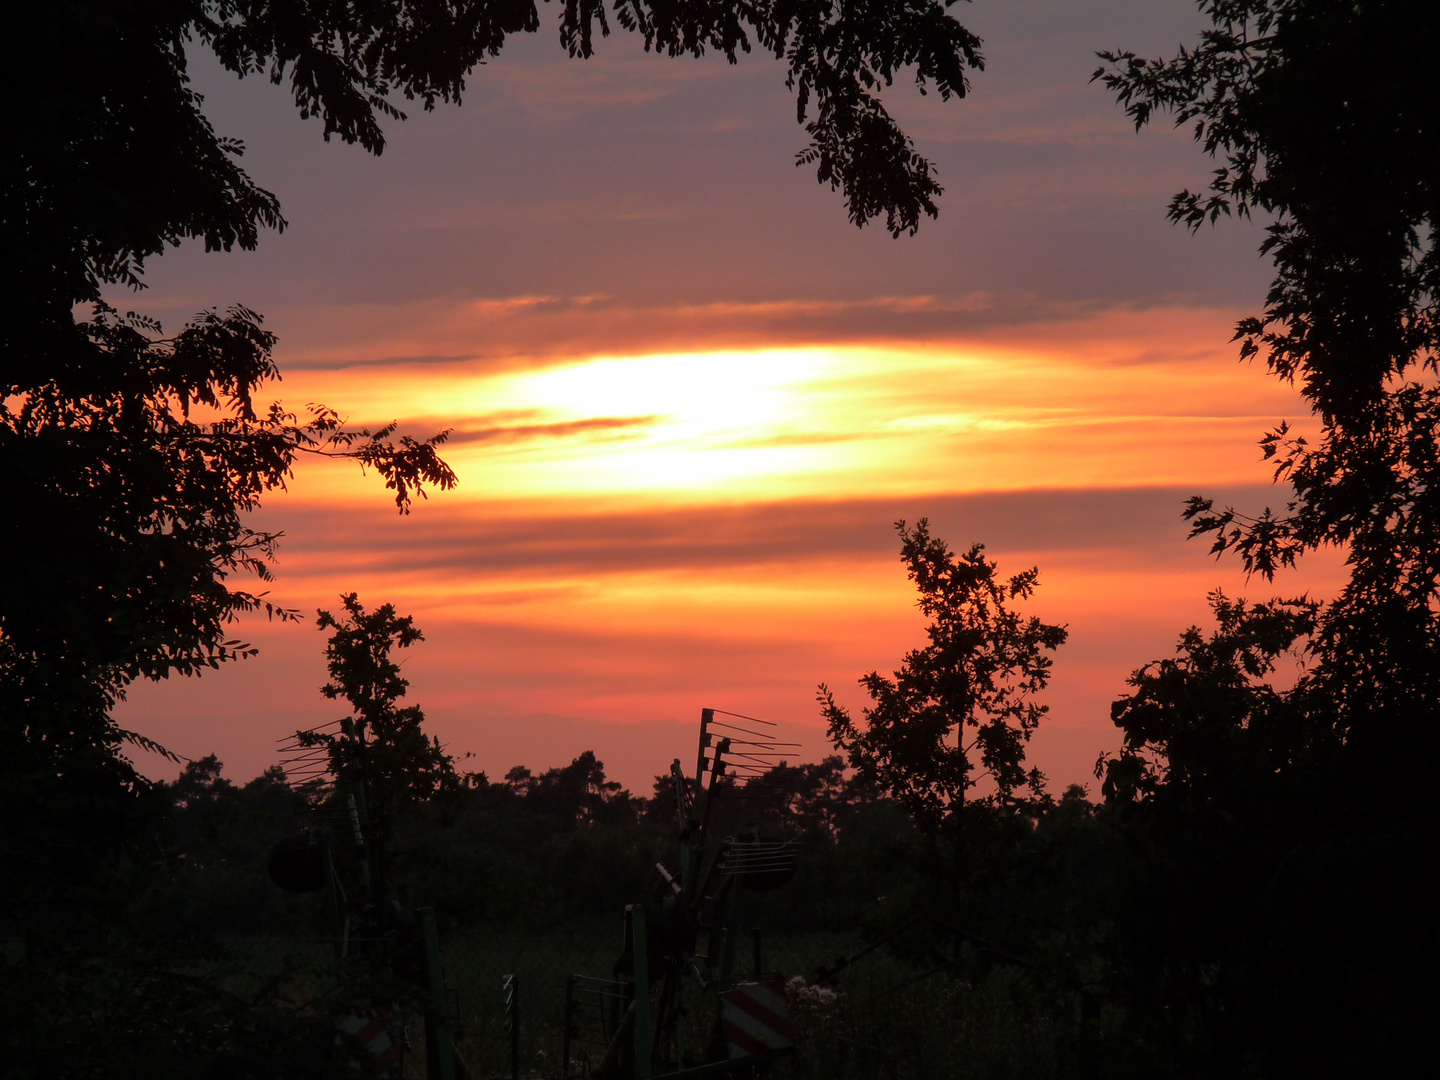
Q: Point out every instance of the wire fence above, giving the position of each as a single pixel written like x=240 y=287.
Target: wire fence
x=877 y=1023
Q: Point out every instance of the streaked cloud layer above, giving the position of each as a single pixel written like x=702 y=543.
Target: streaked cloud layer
x=688 y=400
x=634 y=537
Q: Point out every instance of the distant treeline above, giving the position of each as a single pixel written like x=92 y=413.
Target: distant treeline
x=563 y=845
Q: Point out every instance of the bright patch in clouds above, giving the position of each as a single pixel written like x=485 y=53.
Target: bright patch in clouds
x=819 y=422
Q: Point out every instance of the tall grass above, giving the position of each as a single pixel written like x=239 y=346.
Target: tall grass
x=877 y=1022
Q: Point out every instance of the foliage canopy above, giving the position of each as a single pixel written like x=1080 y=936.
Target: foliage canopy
x=137 y=454
x=384 y=749
x=966 y=699
x=1263 y=812
x=1324 y=117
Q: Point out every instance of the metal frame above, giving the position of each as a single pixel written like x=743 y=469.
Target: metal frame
x=694 y=920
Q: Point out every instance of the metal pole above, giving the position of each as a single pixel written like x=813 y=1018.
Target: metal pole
x=512 y=1022
x=757 y=968
x=641 y=957
x=440 y=1051
x=569 y=1021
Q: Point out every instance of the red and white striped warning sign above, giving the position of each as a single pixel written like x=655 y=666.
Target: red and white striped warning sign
x=381 y=1032
x=756 y=1019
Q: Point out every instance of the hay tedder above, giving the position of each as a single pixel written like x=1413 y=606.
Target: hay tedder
x=686 y=998
x=376 y=941
x=677 y=1003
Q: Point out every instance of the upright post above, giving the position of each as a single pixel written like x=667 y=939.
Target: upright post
x=569 y=1023
x=707 y=717
x=512 y=1022
x=758 y=969
x=439 y=1050
x=636 y=915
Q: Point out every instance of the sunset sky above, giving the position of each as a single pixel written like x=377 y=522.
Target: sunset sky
x=689 y=399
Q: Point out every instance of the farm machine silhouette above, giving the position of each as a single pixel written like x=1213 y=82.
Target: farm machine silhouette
x=686 y=998
x=391 y=952
x=676 y=1003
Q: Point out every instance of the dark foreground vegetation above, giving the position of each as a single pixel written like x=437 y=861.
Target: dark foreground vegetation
x=1245 y=895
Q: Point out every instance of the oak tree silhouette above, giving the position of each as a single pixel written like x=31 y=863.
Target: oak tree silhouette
x=133 y=456
x=963 y=707
x=1267 y=811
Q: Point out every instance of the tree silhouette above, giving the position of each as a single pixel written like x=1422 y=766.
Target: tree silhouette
x=128 y=522
x=1261 y=813
x=383 y=749
x=966 y=699
x=1323 y=115
x=116 y=160
x=126 y=529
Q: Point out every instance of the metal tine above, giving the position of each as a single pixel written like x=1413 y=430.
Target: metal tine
x=768 y=860
x=762 y=748
x=769 y=856
x=759 y=750
x=607 y=987
x=759 y=759
x=742 y=716
x=311 y=731
x=759 y=740
x=761 y=846
x=737 y=727
x=745 y=871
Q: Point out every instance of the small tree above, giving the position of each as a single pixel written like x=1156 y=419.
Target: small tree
x=385 y=747
x=965 y=699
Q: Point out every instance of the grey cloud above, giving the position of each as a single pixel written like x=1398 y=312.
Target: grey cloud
x=1142 y=521
x=599 y=425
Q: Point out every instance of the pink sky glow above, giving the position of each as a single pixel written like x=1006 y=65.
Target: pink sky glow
x=689 y=400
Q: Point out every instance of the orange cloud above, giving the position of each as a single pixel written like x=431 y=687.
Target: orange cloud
x=638 y=535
